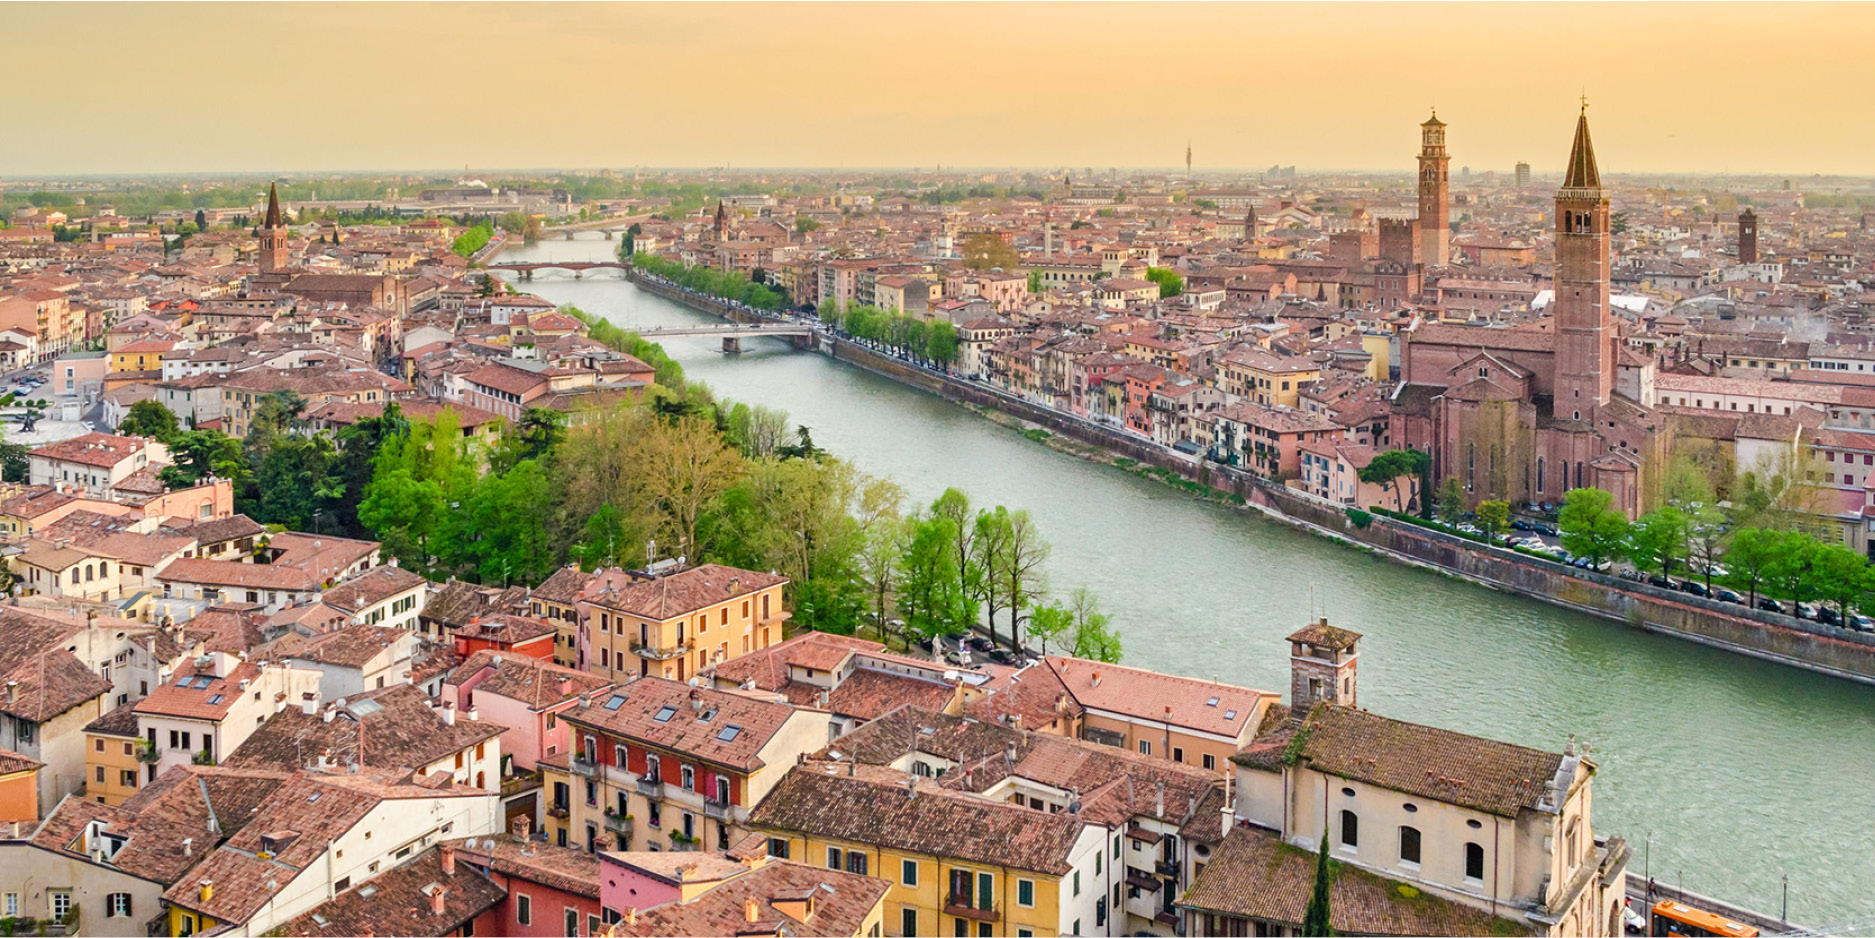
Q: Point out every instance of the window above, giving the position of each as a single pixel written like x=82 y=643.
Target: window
x=908 y=873
x=524 y=910
x=1077 y=882
x=1145 y=747
x=572 y=923
x=1178 y=754
x=12 y=906
x=778 y=848
x=908 y=921
x=1474 y=862
x=856 y=862
x=1350 y=829
x=1025 y=893
x=1409 y=844
x=833 y=858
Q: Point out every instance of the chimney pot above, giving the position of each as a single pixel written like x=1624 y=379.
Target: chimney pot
x=448 y=857
x=437 y=898
x=751 y=910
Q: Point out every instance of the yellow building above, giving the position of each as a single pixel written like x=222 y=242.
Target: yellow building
x=1265 y=377
x=145 y=355
x=113 y=773
x=675 y=624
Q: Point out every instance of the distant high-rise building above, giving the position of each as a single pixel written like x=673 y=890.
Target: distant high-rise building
x=1747 y=236
x=1435 y=185
x=1523 y=175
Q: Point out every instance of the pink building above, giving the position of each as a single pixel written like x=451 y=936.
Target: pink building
x=526 y=695
x=552 y=891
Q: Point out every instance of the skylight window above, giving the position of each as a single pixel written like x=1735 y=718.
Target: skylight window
x=664 y=714
x=1230 y=714
x=615 y=702
x=202 y=681
x=728 y=733
x=218 y=698
x=1211 y=703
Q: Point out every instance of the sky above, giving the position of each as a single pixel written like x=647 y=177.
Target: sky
x=303 y=87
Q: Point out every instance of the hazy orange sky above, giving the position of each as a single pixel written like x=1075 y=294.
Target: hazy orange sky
x=1703 y=87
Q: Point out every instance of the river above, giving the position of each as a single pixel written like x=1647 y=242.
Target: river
x=1742 y=770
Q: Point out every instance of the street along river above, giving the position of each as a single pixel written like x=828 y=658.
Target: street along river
x=1743 y=770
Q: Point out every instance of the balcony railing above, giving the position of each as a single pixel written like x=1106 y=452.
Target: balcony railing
x=650 y=788
x=618 y=823
x=961 y=907
x=1166 y=868
x=655 y=653
x=716 y=809
x=557 y=811
x=583 y=766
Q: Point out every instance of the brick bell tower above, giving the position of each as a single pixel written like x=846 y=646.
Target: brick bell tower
x=1585 y=361
x=1435 y=195
x=1747 y=236
x=273 y=251
x=1321 y=667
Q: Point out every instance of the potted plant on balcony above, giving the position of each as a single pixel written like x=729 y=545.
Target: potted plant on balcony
x=146 y=751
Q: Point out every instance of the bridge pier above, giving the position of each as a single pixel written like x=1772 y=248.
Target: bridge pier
x=732 y=345
x=569 y=235
x=527 y=274
x=607 y=232
x=579 y=275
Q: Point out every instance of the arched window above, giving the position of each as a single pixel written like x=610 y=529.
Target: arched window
x=1474 y=862
x=1350 y=829
x=1409 y=844
x=1539 y=474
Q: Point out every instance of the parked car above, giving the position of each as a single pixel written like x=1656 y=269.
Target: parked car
x=1664 y=582
x=1806 y=611
x=1635 y=923
x=1771 y=605
x=1861 y=623
x=1696 y=588
x=1518 y=524
x=1828 y=616
x=1544 y=527
x=1726 y=595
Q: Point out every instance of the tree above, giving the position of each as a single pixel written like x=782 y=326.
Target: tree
x=149 y=418
x=954 y=506
x=201 y=220
x=1451 y=500
x=296 y=484
x=1705 y=540
x=1035 y=282
x=1591 y=527
x=1170 y=282
x=1841 y=577
x=941 y=343
x=1020 y=578
x=1316 y=920
x=1493 y=517
x=1385 y=470
x=201 y=454
x=880 y=550
x=931 y=598
x=986 y=250
x=759 y=431
x=1094 y=638
x=1658 y=540
x=805 y=224
x=1050 y=622
x=1750 y=559
x=685 y=465
x=990 y=543
x=1793 y=571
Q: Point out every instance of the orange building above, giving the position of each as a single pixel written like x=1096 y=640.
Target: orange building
x=526 y=636
x=112 y=771
x=672 y=625
x=19 y=787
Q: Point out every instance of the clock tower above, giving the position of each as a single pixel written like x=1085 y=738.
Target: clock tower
x=1435 y=195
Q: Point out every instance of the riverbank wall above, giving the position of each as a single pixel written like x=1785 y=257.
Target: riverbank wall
x=1767 y=636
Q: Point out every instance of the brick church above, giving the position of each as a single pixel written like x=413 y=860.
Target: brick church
x=1529 y=412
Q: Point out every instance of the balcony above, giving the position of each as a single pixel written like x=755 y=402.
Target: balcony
x=961 y=907
x=650 y=788
x=716 y=809
x=557 y=811
x=1166 y=868
x=1143 y=835
x=683 y=844
x=655 y=653
x=1138 y=880
x=618 y=823
x=583 y=766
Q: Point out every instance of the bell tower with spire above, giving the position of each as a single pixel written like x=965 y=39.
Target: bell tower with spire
x=1435 y=195
x=1585 y=366
x=273 y=250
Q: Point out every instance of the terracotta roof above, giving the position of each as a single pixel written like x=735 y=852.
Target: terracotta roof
x=632 y=712
x=768 y=667
x=121 y=721
x=506 y=629
x=390 y=728
x=352 y=647
x=401 y=901
x=871 y=806
x=679 y=594
x=568 y=869
x=1255 y=875
x=538 y=684
x=222 y=530
x=50 y=679
x=1323 y=635
x=1191 y=703
x=840 y=904
x=456 y=602
x=156 y=820
x=370 y=588
x=102 y=450
x=199 y=695
x=12 y=762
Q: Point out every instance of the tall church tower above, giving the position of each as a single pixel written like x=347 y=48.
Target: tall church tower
x=1585 y=361
x=1435 y=195
x=273 y=252
x=1748 y=236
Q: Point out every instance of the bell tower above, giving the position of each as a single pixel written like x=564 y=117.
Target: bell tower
x=1435 y=195
x=273 y=251
x=1321 y=667
x=1585 y=361
x=1747 y=236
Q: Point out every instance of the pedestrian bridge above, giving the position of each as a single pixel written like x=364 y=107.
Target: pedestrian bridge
x=526 y=269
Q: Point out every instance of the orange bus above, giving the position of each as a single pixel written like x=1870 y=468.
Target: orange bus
x=1673 y=920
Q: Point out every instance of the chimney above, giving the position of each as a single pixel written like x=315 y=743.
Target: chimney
x=13 y=691
x=437 y=898
x=522 y=826
x=208 y=889
x=188 y=846
x=447 y=855
x=751 y=910
x=449 y=712
x=328 y=714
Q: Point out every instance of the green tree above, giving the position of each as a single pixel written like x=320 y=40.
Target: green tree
x=1170 y=282
x=1050 y=622
x=296 y=484
x=954 y=506
x=149 y=418
x=1794 y=565
x=1451 y=500
x=1315 y=921
x=805 y=224
x=941 y=343
x=1658 y=540
x=201 y=454
x=1094 y=636
x=985 y=250
x=1493 y=517
x=1591 y=527
x=931 y=598
x=1386 y=469
x=1750 y=559
x=1035 y=282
